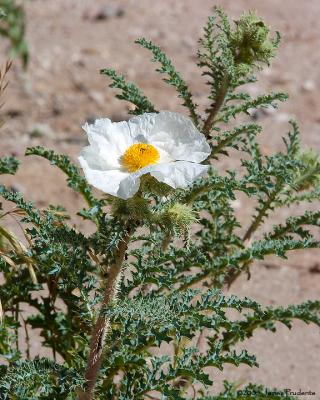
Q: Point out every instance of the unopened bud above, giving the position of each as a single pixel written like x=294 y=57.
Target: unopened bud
x=251 y=42
x=309 y=175
x=178 y=218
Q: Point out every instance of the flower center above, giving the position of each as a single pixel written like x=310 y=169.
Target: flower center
x=138 y=156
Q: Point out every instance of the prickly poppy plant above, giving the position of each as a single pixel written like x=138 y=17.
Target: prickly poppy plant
x=124 y=308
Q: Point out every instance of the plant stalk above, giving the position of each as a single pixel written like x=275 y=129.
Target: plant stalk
x=101 y=326
x=262 y=213
x=216 y=107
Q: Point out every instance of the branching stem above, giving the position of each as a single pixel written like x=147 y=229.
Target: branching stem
x=102 y=324
x=233 y=275
x=216 y=107
x=262 y=213
x=165 y=242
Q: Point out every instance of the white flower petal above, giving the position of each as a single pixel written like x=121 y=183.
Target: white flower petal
x=109 y=140
x=172 y=132
x=108 y=181
x=179 y=174
x=180 y=144
x=90 y=155
x=129 y=187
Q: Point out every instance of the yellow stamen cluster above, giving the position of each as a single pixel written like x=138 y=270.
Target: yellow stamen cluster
x=138 y=156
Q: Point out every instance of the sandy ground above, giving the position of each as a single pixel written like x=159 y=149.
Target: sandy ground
x=62 y=89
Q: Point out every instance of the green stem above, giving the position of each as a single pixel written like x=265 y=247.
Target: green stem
x=262 y=213
x=101 y=326
x=165 y=242
x=233 y=275
x=16 y=317
x=216 y=107
x=27 y=339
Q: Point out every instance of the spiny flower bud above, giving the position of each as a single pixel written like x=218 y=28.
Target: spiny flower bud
x=309 y=175
x=251 y=42
x=178 y=219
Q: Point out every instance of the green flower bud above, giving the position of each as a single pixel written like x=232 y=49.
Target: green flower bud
x=251 y=42
x=178 y=218
x=243 y=69
x=309 y=175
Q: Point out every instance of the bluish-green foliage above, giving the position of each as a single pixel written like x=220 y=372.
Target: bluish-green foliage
x=169 y=294
x=130 y=92
x=12 y=27
x=8 y=165
x=43 y=379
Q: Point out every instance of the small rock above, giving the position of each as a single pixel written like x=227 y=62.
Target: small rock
x=104 y=13
x=89 y=51
x=257 y=113
x=78 y=61
x=315 y=269
x=268 y=110
x=17 y=188
x=98 y=97
x=281 y=80
x=90 y=119
x=188 y=42
x=283 y=117
x=78 y=84
x=308 y=86
x=40 y=130
x=57 y=107
x=14 y=113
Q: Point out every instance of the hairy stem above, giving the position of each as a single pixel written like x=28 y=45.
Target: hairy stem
x=216 y=107
x=165 y=242
x=262 y=213
x=233 y=274
x=16 y=317
x=101 y=326
x=27 y=339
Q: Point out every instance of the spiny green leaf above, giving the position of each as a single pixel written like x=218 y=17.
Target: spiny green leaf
x=129 y=92
x=174 y=77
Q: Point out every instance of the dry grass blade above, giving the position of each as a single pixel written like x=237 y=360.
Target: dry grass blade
x=3 y=83
x=15 y=211
x=1 y=312
x=18 y=247
x=20 y=250
x=8 y=260
x=3 y=73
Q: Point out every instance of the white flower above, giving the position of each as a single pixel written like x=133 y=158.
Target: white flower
x=165 y=145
